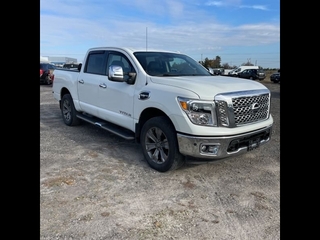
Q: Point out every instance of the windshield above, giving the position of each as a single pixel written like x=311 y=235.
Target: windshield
x=170 y=64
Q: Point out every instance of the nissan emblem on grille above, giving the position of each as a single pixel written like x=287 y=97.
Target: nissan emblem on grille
x=255 y=107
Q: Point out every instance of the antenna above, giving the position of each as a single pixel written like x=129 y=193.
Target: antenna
x=146 y=38
x=146 y=51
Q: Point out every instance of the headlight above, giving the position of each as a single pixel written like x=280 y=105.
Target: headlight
x=199 y=112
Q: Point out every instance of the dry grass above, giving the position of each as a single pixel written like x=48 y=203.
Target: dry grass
x=268 y=74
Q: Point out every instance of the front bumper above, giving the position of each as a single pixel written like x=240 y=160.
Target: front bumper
x=222 y=146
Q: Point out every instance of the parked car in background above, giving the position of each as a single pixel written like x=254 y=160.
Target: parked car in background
x=47 y=73
x=216 y=71
x=253 y=74
x=232 y=73
x=235 y=72
x=275 y=77
x=73 y=66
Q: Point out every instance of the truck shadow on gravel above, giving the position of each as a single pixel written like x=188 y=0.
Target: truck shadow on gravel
x=126 y=150
x=99 y=144
x=275 y=95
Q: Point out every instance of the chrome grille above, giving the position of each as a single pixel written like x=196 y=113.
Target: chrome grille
x=250 y=109
x=244 y=107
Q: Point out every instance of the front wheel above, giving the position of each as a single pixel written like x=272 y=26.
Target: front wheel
x=160 y=146
x=68 y=111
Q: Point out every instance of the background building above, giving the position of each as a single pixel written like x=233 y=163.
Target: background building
x=44 y=59
x=60 y=60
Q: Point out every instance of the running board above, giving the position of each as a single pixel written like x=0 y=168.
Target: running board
x=113 y=128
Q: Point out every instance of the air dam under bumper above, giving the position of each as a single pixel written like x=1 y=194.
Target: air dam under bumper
x=222 y=147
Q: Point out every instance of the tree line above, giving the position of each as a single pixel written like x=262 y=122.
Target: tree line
x=216 y=63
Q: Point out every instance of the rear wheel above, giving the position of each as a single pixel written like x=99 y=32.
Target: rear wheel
x=68 y=111
x=48 y=80
x=160 y=146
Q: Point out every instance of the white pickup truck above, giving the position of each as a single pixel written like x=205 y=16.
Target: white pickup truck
x=167 y=102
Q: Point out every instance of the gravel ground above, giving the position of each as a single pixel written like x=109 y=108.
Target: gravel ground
x=95 y=185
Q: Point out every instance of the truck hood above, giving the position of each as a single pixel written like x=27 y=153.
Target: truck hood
x=208 y=86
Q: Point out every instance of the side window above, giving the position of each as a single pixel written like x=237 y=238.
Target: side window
x=96 y=63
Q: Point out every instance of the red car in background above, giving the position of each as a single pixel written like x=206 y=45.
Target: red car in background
x=46 y=73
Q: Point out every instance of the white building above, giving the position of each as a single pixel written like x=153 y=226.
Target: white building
x=44 y=59
x=59 y=60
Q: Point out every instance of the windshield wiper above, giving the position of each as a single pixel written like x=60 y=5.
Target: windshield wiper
x=171 y=74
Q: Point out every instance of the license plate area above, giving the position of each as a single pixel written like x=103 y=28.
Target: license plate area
x=253 y=144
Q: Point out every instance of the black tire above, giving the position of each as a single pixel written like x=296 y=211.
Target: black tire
x=68 y=111
x=160 y=146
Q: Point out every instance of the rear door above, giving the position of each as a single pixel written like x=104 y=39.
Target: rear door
x=92 y=75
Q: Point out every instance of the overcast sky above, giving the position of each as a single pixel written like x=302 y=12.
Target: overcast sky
x=238 y=31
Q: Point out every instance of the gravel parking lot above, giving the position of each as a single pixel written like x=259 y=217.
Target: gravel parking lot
x=96 y=185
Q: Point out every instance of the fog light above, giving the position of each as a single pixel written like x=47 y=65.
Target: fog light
x=210 y=149
x=203 y=148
